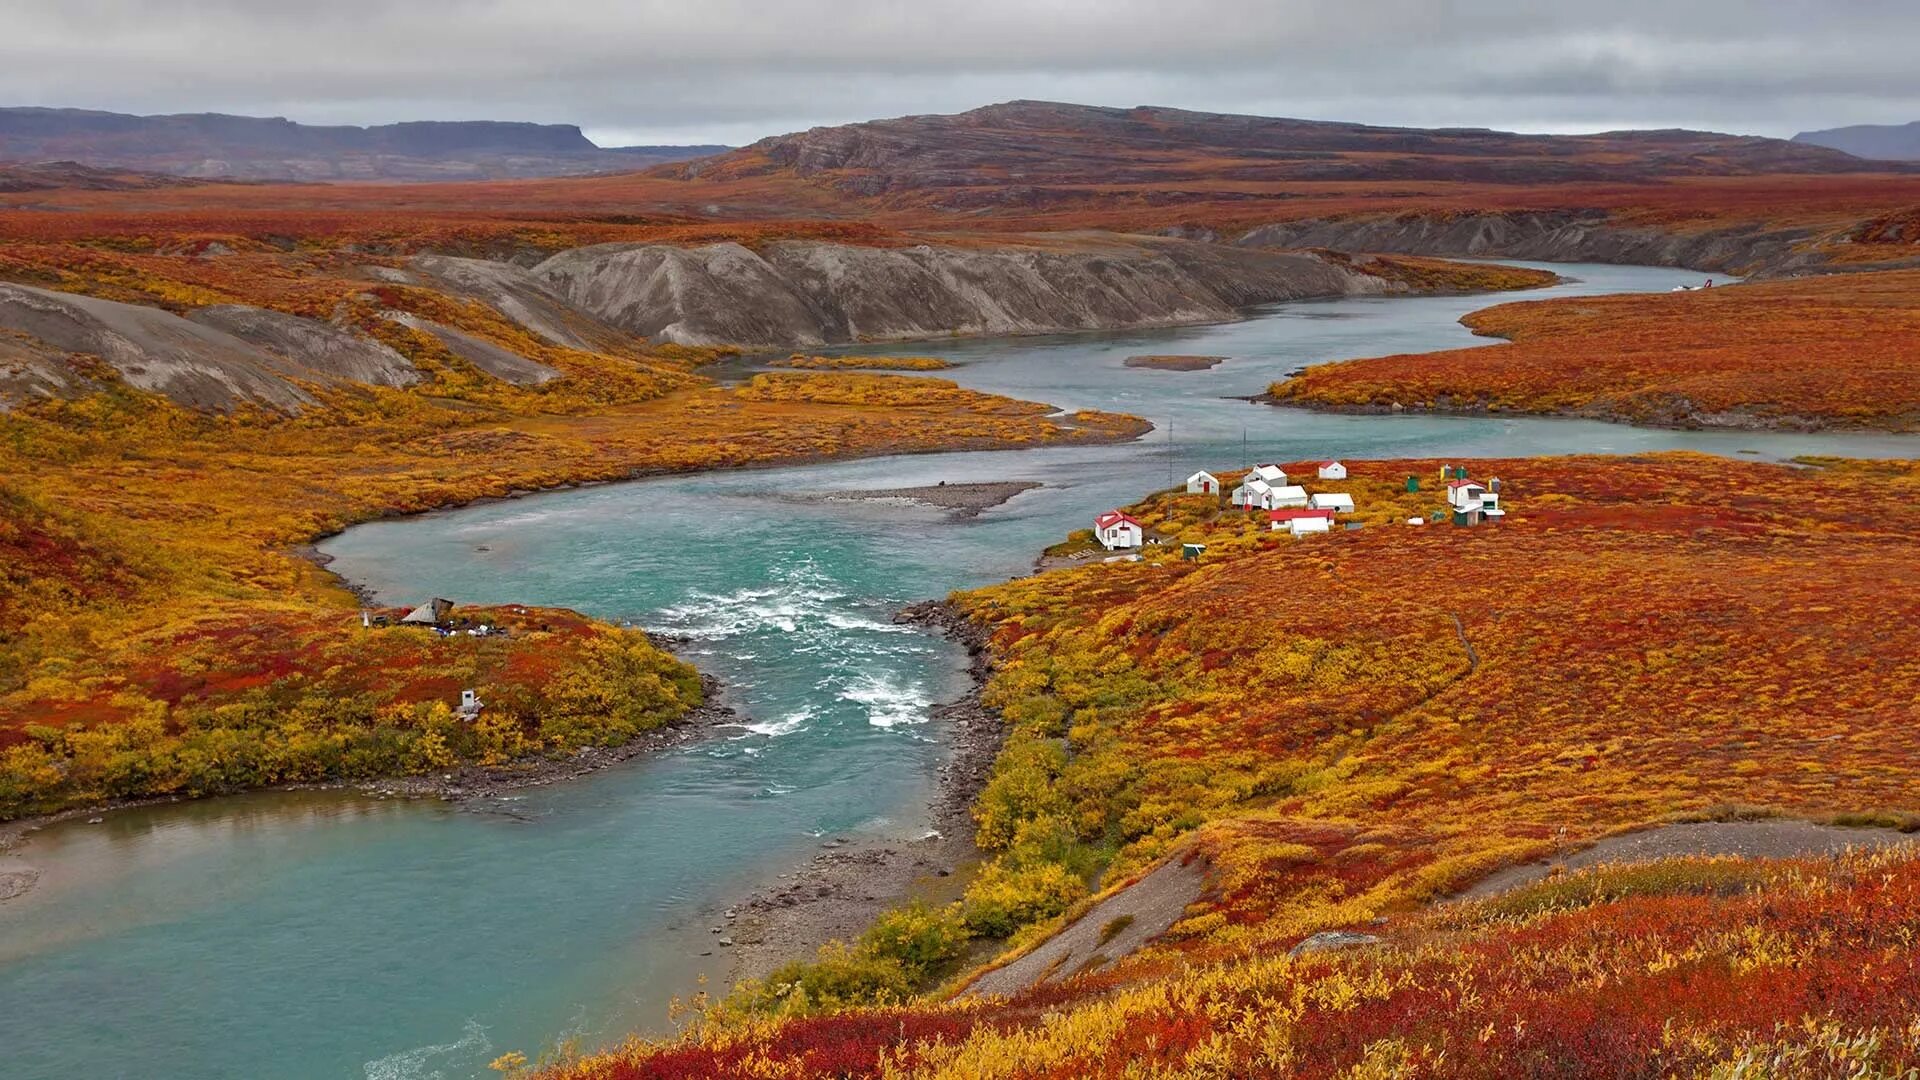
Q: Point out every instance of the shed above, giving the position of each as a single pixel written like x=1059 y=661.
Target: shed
x=1192 y=552
x=1117 y=529
x=432 y=613
x=470 y=704
x=1413 y=483
x=1203 y=483
x=1337 y=501
x=1252 y=494
x=1272 y=474
x=1332 y=470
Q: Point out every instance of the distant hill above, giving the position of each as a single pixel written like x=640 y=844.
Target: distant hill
x=1879 y=142
x=999 y=150
x=73 y=176
x=213 y=145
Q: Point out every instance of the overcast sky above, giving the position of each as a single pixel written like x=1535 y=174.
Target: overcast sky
x=731 y=71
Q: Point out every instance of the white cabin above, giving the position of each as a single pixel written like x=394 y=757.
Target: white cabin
x=1203 y=483
x=1301 y=521
x=1272 y=474
x=1462 y=492
x=1252 y=494
x=1332 y=470
x=1282 y=498
x=1116 y=530
x=1338 y=502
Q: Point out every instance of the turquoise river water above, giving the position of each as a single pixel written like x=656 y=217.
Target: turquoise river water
x=334 y=935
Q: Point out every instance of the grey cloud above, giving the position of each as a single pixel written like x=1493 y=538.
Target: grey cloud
x=731 y=70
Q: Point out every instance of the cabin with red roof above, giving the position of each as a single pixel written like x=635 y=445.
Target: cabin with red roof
x=1116 y=530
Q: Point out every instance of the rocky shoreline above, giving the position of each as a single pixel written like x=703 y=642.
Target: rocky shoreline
x=840 y=891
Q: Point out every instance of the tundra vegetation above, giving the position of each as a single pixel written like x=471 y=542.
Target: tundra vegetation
x=1841 y=351
x=159 y=634
x=1347 y=728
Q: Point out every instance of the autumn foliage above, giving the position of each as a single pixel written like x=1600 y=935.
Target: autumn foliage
x=1349 y=727
x=1838 y=351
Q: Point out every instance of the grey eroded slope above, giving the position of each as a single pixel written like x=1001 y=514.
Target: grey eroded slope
x=195 y=365
x=523 y=298
x=217 y=358
x=485 y=355
x=802 y=293
x=312 y=350
x=1553 y=236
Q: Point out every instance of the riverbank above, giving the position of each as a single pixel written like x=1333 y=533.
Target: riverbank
x=1835 y=353
x=842 y=890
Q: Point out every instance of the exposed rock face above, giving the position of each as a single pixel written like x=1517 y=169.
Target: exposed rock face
x=313 y=350
x=485 y=355
x=1556 y=236
x=218 y=358
x=195 y=365
x=808 y=293
x=520 y=296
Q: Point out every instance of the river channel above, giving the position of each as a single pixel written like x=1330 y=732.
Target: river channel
x=337 y=935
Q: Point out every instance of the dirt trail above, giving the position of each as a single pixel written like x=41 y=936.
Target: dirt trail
x=1116 y=927
x=1774 y=839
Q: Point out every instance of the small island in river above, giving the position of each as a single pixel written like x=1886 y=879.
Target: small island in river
x=1176 y=363
x=965 y=500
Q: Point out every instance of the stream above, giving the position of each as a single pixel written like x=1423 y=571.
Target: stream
x=340 y=935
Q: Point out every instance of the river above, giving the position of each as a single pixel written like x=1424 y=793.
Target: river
x=335 y=935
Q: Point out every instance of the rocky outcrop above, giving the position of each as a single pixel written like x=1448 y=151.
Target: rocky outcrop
x=485 y=355
x=195 y=365
x=800 y=293
x=1554 y=236
x=520 y=296
x=218 y=358
x=312 y=351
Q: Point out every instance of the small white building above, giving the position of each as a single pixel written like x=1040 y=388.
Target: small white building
x=1117 y=530
x=1252 y=494
x=1272 y=474
x=1332 y=470
x=1462 y=492
x=470 y=705
x=1301 y=521
x=1282 y=498
x=1203 y=483
x=1338 y=502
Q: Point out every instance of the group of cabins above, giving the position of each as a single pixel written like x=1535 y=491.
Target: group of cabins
x=1288 y=505
x=1290 y=508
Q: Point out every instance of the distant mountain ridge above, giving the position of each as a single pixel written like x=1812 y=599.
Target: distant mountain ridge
x=1020 y=149
x=1878 y=142
x=216 y=145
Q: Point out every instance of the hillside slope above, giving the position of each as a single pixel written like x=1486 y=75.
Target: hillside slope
x=1877 y=142
x=806 y=293
x=1019 y=143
